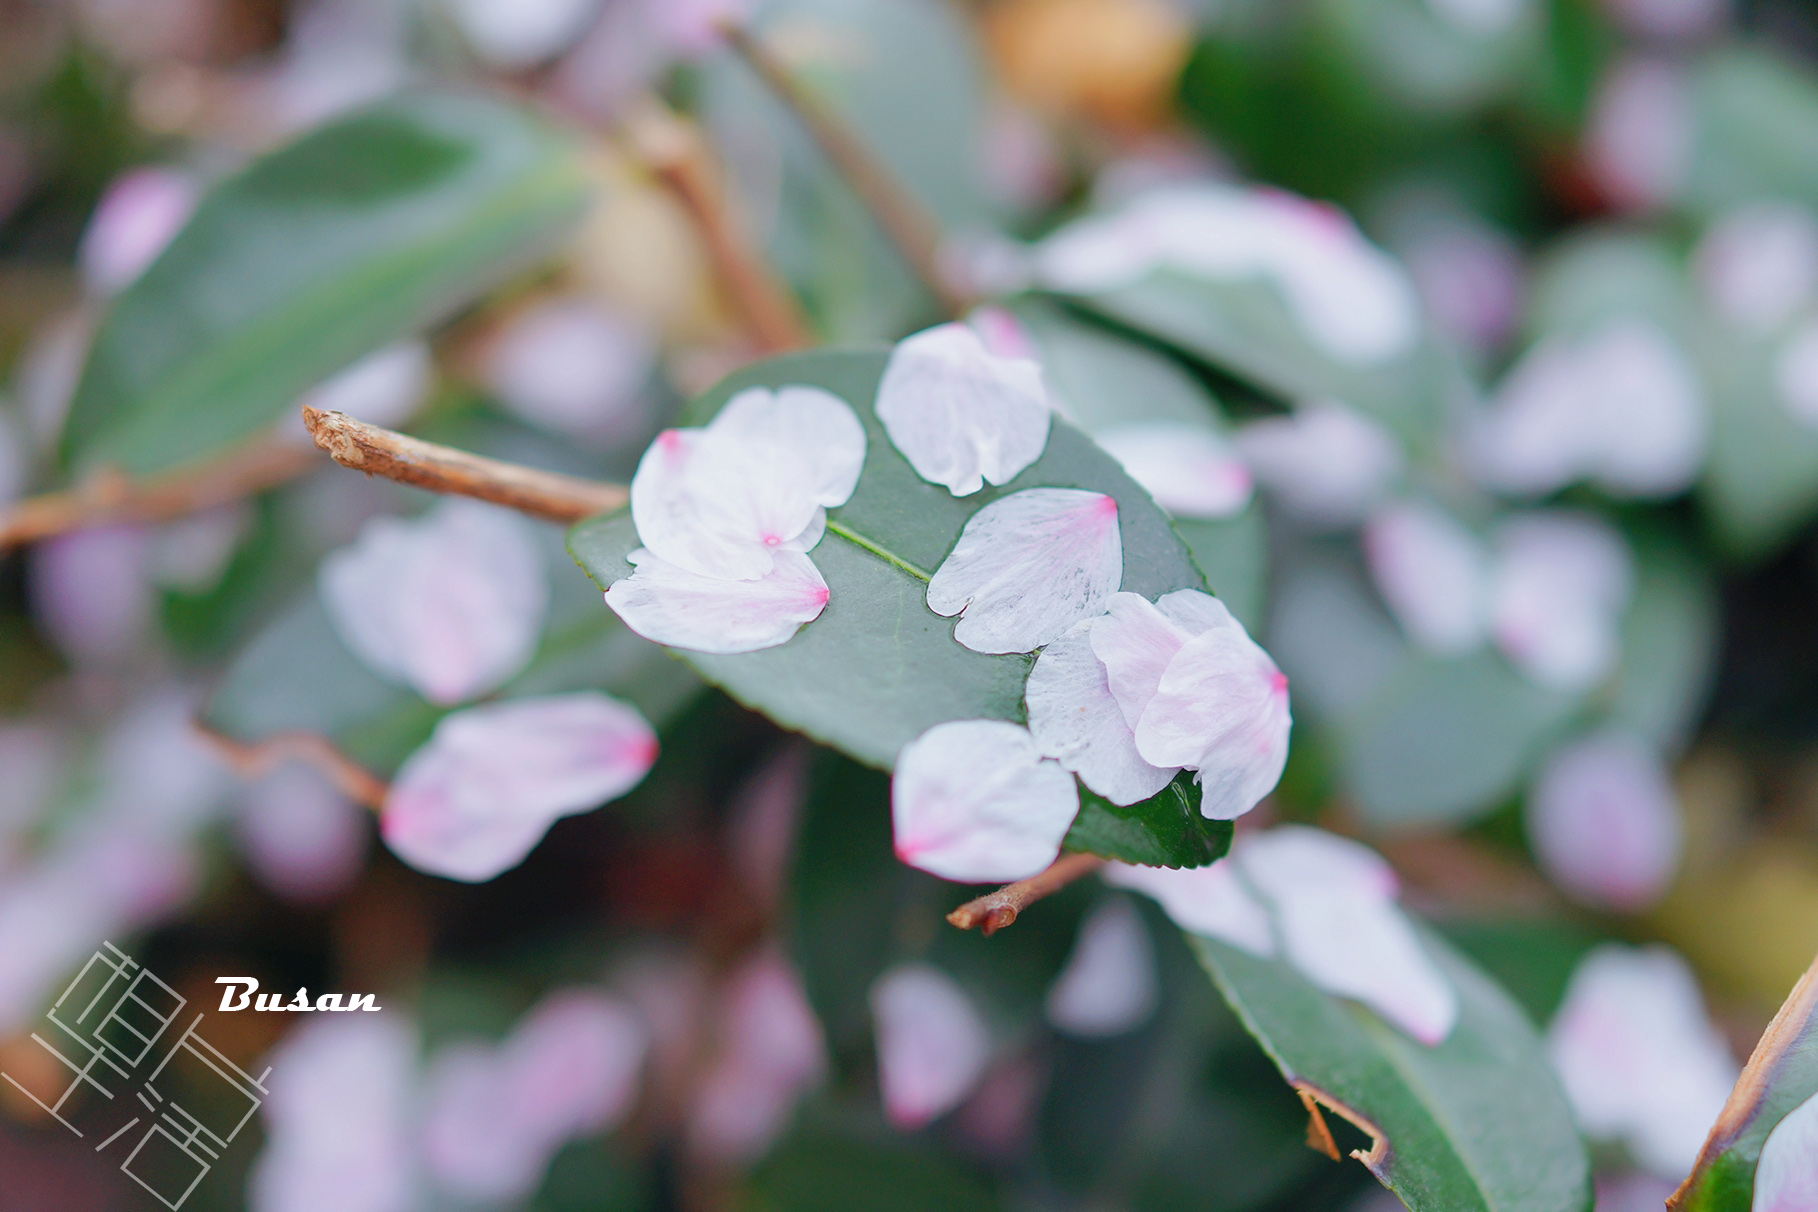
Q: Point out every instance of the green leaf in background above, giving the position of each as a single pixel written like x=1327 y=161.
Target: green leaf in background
x=1755 y=119
x=878 y=668
x=355 y=235
x=1165 y=830
x=1476 y=1124
x=1669 y=644
x=1781 y=1075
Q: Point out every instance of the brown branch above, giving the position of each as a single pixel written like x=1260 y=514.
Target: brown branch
x=995 y=910
x=902 y=218
x=673 y=149
x=107 y=497
x=408 y=460
x=250 y=760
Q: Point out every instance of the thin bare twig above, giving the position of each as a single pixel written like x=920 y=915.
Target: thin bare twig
x=250 y=760
x=902 y=218
x=673 y=149
x=995 y=910
x=107 y=498
x=408 y=460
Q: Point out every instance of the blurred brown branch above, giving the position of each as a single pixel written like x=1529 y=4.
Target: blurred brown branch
x=250 y=760
x=902 y=218
x=408 y=460
x=995 y=910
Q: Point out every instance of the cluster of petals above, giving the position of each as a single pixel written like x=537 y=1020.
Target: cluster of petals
x=1109 y=985
x=1603 y=822
x=727 y=514
x=450 y=604
x=1129 y=699
x=771 y=1053
x=1325 y=463
x=1639 y=1060
x=1351 y=300
x=1620 y=407
x=491 y=780
x=932 y=1043
x=1328 y=906
x=1190 y=470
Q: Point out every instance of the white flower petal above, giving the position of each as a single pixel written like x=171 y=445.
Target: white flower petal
x=572 y=1065
x=1135 y=640
x=1076 y=721
x=1335 y=905
x=1638 y=1058
x=1189 y=470
x=771 y=1053
x=972 y=800
x=813 y=431
x=1028 y=566
x=1560 y=586
x=1433 y=573
x=1109 y=985
x=1327 y=464
x=138 y=215
x=1786 y=1177
x=450 y=603
x=574 y=367
x=960 y=414
x=1758 y=264
x=481 y=793
x=1604 y=822
x=670 y=605
x=1206 y=900
x=931 y=1043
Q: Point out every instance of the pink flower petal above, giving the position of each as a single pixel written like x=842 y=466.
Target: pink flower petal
x=1029 y=566
x=1758 y=264
x=1189 y=470
x=960 y=414
x=673 y=606
x=1205 y=900
x=1109 y=985
x=492 y=779
x=1075 y=719
x=932 y=1045
x=1561 y=584
x=573 y=367
x=92 y=595
x=137 y=217
x=1786 y=1178
x=972 y=800
x=1604 y=823
x=1638 y=143
x=1433 y=573
x=450 y=603
x=1326 y=464
x=771 y=1054
x=302 y=837
x=722 y=501
x=1135 y=640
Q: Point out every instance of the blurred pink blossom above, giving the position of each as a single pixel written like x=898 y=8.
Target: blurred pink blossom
x=450 y=603
x=1669 y=20
x=1433 y=573
x=1786 y=1178
x=515 y=34
x=1109 y=985
x=573 y=367
x=302 y=837
x=1639 y=142
x=1326 y=463
x=770 y=1054
x=634 y=42
x=384 y=388
x=761 y=825
x=138 y=215
x=91 y=594
x=1561 y=584
x=1019 y=159
x=1470 y=277
x=932 y=1045
x=1190 y=470
x=1758 y=264
x=1604 y=822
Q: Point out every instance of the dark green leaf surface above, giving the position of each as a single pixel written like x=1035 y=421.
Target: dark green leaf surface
x=1165 y=830
x=355 y=235
x=1476 y=1124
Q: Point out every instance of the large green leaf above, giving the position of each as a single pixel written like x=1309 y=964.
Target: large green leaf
x=359 y=233
x=1781 y=1075
x=1476 y=1124
x=878 y=667
x=1166 y=830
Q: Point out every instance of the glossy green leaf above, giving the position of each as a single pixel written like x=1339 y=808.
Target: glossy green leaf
x=1165 y=830
x=355 y=235
x=1476 y=1124
x=1780 y=1076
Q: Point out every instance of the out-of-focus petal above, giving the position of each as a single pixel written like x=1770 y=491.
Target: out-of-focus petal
x=481 y=793
x=1206 y=900
x=1076 y=721
x=14 y=458
x=572 y=367
x=1638 y=143
x=514 y=34
x=771 y=1053
x=1334 y=902
x=973 y=800
x=450 y=603
x=1189 y=470
x=302 y=837
x=1758 y=264
x=191 y=554
x=571 y=1067
x=138 y=215
x=1796 y=374
x=1561 y=583
x=1639 y=1060
x=931 y=1043
x=91 y=594
x=1786 y=1177
x=960 y=414
x=1433 y=573
x=1604 y=822
x=1327 y=464
x=1029 y=566
x=673 y=606
x=1108 y=986
x=386 y=387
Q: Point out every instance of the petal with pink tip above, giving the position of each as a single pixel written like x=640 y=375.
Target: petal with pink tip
x=960 y=414
x=932 y=1045
x=450 y=603
x=1786 y=1178
x=670 y=605
x=972 y=800
x=1433 y=573
x=1327 y=463
x=771 y=1053
x=138 y=215
x=1108 y=986
x=1029 y=566
x=481 y=793
x=1604 y=822
x=571 y=1067
x=1189 y=470
x=1076 y=721
x=1205 y=900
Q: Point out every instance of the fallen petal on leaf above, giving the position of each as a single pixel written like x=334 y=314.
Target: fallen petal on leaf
x=672 y=606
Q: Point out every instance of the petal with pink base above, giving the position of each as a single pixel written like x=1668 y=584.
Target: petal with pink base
x=1029 y=566
x=1075 y=719
x=1604 y=822
x=673 y=606
x=771 y=1053
x=481 y=793
x=972 y=800
x=932 y=1045
x=1189 y=470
